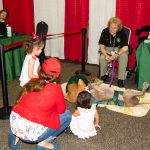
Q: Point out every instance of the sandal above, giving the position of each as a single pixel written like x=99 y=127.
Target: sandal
x=56 y=146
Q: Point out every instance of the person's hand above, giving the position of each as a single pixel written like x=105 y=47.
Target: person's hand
x=97 y=126
x=108 y=58
x=114 y=57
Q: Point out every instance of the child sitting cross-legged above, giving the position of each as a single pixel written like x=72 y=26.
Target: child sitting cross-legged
x=85 y=118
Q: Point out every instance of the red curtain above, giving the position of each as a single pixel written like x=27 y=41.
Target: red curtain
x=21 y=15
x=134 y=14
x=76 y=18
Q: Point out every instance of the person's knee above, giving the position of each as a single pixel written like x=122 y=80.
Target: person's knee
x=102 y=58
x=123 y=57
x=68 y=115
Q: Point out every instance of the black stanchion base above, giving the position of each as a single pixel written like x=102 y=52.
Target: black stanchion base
x=86 y=72
x=3 y=114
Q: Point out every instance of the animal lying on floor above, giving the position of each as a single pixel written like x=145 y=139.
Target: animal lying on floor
x=77 y=84
x=102 y=93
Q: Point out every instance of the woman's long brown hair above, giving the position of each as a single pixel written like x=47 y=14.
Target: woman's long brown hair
x=35 y=85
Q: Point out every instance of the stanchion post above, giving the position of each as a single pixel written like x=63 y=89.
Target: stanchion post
x=83 y=49
x=6 y=109
x=42 y=56
x=83 y=71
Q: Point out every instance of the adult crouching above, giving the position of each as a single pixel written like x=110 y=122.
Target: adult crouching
x=40 y=114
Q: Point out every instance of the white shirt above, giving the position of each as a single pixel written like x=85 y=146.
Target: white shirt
x=24 y=78
x=83 y=125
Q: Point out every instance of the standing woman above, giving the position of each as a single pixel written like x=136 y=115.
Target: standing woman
x=3 y=17
x=113 y=44
x=40 y=114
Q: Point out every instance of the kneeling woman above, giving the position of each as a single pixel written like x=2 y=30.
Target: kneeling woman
x=40 y=113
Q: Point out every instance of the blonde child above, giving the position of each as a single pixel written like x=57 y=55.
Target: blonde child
x=33 y=48
x=85 y=119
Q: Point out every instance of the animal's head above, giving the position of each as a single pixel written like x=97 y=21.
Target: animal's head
x=78 y=83
x=74 y=89
x=75 y=85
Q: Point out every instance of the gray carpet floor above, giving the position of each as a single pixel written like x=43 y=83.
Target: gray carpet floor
x=118 y=131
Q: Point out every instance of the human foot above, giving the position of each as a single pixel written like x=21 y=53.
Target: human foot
x=47 y=146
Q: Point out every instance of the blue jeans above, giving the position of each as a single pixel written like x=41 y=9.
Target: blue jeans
x=50 y=134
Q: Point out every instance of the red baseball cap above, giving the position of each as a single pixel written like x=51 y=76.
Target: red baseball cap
x=52 y=66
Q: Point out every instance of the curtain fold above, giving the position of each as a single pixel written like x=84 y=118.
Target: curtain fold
x=99 y=14
x=134 y=14
x=1 y=5
x=52 y=12
x=76 y=18
x=21 y=15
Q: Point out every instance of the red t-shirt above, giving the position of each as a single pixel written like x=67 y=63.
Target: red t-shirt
x=43 y=107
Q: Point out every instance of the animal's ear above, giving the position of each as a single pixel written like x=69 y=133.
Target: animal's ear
x=72 y=93
x=81 y=83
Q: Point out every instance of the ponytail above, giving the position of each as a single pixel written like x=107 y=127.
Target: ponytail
x=35 y=85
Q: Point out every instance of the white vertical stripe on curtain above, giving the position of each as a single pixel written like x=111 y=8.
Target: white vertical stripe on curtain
x=52 y=12
x=1 y=5
x=99 y=13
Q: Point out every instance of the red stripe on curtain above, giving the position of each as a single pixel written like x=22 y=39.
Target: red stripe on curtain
x=134 y=14
x=76 y=18
x=21 y=15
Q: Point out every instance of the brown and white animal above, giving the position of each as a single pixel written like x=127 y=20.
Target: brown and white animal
x=129 y=96
x=101 y=91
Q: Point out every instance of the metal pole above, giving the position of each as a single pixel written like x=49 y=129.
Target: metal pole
x=83 y=71
x=5 y=111
x=83 y=49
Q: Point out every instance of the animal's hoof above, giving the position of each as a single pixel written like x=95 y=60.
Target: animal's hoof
x=120 y=83
x=145 y=85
